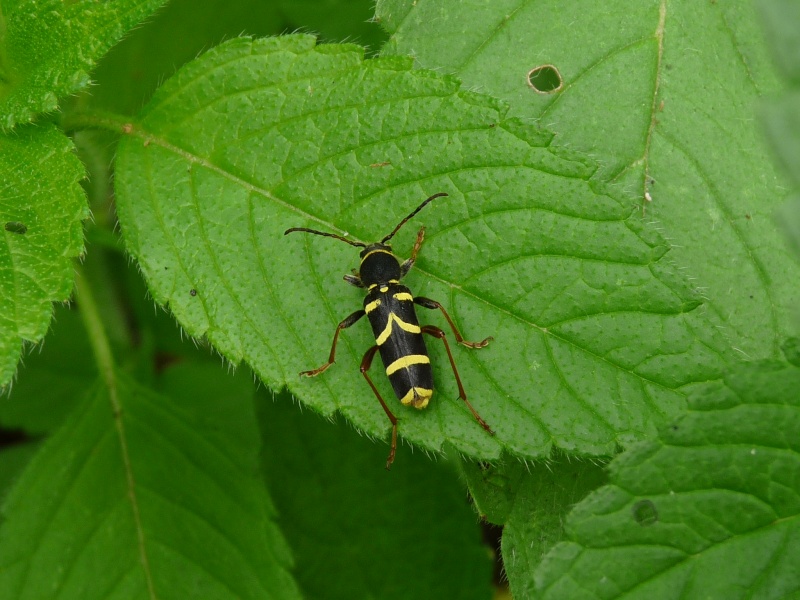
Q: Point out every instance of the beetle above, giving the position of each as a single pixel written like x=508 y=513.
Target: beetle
x=389 y=306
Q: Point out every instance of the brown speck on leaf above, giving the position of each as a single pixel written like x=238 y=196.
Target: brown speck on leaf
x=380 y=164
x=127 y=128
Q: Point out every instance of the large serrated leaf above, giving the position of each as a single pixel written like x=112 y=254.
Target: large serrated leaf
x=595 y=335
x=664 y=95
x=709 y=510
x=136 y=498
x=41 y=210
x=48 y=48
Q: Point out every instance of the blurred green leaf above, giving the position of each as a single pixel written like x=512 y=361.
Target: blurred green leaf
x=782 y=121
x=781 y=19
x=663 y=95
x=781 y=114
x=52 y=379
x=596 y=337
x=357 y=531
x=13 y=460
x=48 y=48
x=131 y=71
x=708 y=510
x=337 y=20
x=135 y=497
x=41 y=208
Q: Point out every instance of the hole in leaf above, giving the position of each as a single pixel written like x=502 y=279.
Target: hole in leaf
x=545 y=79
x=16 y=227
x=645 y=513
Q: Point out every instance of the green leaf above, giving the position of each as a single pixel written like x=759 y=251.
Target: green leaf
x=52 y=379
x=337 y=20
x=132 y=70
x=41 y=209
x=12 y=462
x=48 y=48
x=708 y=510
x=131 y=496
x=663 y=94
x=360 y=532
x=595 y=335
x=781 y=114
x=531 y=502
x=780 y=19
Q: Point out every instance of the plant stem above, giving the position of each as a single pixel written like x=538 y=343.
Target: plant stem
x=96 y=333
x=97 y=120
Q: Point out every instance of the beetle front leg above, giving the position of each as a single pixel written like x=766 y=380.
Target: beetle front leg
x=331 y=359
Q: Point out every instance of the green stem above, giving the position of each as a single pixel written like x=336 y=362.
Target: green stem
x=97 y=120
x=96 y=333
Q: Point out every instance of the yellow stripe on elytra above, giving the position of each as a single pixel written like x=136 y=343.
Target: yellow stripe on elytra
x=372 y=306
x=406 y=361
x=417 y=397
x=404 y=296
x=393 y=318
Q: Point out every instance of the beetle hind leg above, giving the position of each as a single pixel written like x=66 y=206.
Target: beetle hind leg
x=366 y=363
x=438 y=333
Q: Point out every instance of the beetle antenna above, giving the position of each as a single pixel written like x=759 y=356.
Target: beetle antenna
x=408 y=218
x=323 y=233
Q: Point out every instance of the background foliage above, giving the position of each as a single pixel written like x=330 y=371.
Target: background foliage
x=614 y=233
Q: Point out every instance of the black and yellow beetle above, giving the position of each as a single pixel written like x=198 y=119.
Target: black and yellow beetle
x=398 y=335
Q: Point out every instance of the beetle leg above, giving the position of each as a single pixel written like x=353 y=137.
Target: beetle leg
x=366 y=363
x=331 y=359
x=354 y=279
x=438 y=333
x=433 y=304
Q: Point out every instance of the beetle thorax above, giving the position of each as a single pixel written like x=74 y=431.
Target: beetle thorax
x=379 y=265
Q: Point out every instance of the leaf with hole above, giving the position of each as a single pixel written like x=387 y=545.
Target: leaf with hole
x=663 y=95
x=596 y=337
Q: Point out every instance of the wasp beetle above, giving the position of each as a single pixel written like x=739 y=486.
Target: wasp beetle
x=389 y=306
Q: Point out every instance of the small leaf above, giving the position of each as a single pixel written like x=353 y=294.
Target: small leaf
x=41 y=198
x=663 y=95
x=531 y=503
x=595 y=334
x=49 y=47
x=360 y=532
x=142 y=500
x=708 y=510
